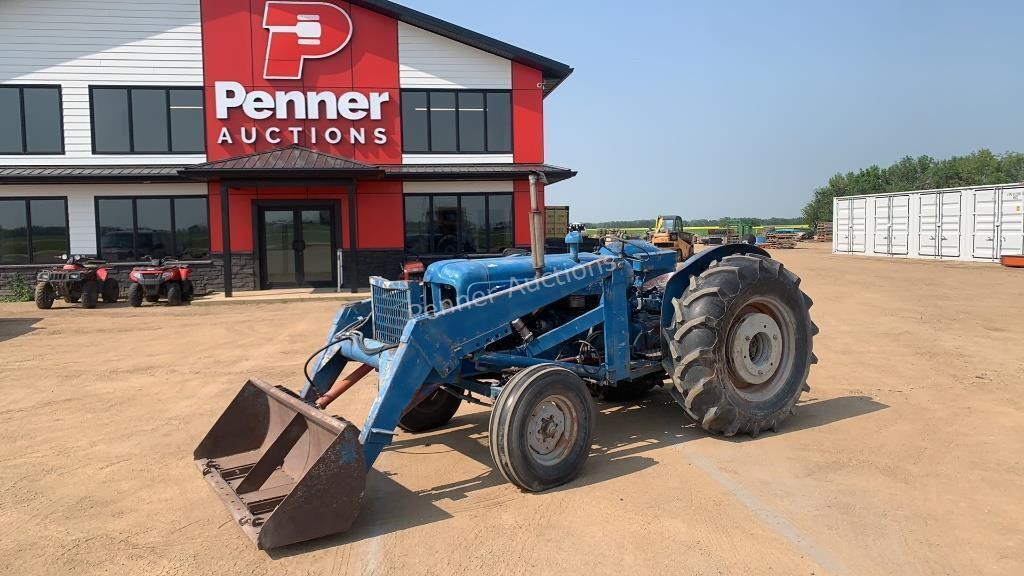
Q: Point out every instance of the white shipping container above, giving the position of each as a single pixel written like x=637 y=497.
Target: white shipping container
x=978 y=223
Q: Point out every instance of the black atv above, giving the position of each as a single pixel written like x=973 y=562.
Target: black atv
x=80 y=279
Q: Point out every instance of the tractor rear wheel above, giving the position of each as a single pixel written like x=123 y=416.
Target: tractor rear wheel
x=741 y=345
x=90 y=293
x=541 y=427
x=45 y=295
x=111 y=291
x=135 y=295
x=433 y=412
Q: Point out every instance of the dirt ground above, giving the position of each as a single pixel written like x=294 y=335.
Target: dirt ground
x=907 y=457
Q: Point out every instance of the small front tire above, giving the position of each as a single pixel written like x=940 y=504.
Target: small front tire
x=90 y=294
x=541 y=427
x=45 y=295
x=174 y=294
x=433 y=412
x=135 y=295
x=111 y=291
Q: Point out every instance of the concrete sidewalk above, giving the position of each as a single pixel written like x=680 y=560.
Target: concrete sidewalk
x=279 y=296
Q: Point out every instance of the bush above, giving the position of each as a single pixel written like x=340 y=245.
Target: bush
x=18 y=290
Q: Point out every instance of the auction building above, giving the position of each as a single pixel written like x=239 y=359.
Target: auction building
x=270 y=143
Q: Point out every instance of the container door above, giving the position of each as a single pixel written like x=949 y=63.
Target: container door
x=883 y=224
x=928 y=225
x=859 y=224
x=950 y=226
x=1011 y=222
x=899 y=225
x=843 y=226
x=986 y=203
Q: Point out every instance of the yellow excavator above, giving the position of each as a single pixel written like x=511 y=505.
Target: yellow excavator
x=668 y=233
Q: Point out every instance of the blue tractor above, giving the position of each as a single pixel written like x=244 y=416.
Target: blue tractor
x=535 y=338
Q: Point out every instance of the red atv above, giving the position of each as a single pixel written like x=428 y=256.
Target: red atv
x=164 y=277
x=80 y=278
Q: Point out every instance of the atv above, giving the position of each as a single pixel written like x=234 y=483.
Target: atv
x=164 y=277
x=80 y=279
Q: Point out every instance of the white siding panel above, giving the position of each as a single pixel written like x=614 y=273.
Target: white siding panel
x=456 y=187
x=82 y=203
x=78 y=43
x=457 y=159
x=427 y=60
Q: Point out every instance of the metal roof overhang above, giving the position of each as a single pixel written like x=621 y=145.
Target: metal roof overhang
x=554 y=72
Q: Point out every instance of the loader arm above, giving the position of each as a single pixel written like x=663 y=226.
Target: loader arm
x=433 y=346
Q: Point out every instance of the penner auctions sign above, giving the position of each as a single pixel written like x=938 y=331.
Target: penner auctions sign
x=298 y=32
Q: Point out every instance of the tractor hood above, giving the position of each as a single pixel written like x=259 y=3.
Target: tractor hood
x=478 y=277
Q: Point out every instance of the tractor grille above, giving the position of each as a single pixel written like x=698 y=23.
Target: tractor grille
x=393 y=306
x=58 y=277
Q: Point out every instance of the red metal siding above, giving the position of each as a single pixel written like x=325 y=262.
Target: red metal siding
x=527 y=114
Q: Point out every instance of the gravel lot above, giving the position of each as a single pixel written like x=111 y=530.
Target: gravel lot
x=907 y=457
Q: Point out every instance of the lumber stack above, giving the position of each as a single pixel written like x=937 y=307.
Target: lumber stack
x=781 y=240
x=823 y=233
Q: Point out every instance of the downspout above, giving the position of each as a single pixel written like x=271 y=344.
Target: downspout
x=536 y=225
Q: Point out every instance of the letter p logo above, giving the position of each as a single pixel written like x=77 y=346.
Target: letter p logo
x=300 y=30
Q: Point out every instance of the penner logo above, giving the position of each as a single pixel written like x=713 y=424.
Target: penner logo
x=301 y=30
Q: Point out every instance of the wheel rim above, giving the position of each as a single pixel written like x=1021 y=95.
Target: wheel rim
x=552 y=430
x=760 y=349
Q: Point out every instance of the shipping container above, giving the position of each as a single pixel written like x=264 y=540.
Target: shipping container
x=556 y=222
x=976 y=223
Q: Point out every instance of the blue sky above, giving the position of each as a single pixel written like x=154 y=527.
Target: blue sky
x=709 y=109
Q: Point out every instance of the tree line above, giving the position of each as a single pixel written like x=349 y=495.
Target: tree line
x=697 y=223
x=921 y=173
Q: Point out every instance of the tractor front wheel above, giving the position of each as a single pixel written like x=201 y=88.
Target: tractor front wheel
x=741 y=345
x=45 y=295
x=90 y=293
x=433 y=412
x=135 y=295
x=541 y=427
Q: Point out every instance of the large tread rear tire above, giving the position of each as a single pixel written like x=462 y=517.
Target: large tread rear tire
x=45 y=295
x=529 y=450
x=707 y=352
x=433 y=412
x=90 y=294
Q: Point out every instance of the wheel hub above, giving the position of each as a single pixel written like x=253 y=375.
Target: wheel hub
x=756 y=348
x=550 y=429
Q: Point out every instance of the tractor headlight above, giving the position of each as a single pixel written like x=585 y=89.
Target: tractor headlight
x=167 y=275
x=75 y=276
x=43 y=276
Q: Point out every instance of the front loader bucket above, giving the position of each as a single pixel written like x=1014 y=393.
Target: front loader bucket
x=286 y=471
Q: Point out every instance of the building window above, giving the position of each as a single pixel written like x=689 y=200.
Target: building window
x=456 y=122
x=33 y=230
x=144 y=120
x=130 y=229
x=458 y=223
x=31 y=120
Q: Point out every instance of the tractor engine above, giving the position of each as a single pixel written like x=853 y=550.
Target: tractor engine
x=455 y=282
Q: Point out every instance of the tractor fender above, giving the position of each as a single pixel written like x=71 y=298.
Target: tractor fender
x=694 y=266
x=101 y=273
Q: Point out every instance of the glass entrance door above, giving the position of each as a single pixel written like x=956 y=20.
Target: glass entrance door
x=297 y=246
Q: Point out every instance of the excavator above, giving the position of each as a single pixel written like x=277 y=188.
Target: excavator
x=668 y=234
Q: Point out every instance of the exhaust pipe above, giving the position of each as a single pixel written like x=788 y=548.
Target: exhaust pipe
x=536 y=225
